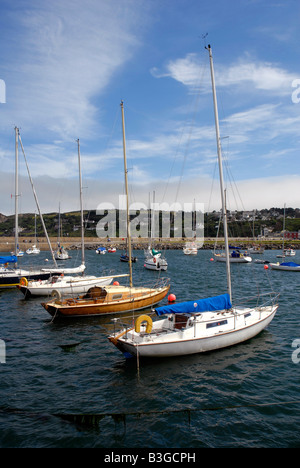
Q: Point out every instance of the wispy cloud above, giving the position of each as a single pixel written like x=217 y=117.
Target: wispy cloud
x=64 y=55
x=258 y=74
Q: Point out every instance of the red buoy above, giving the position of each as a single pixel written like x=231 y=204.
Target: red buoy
x=266 y=267
x=116 y=283
x=171 y=298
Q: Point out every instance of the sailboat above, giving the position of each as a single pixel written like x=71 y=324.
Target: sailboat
x=61 y=253
x=190 y=248
x=153 y=258
x=58 y=282
x=10 y=277
x=285 y=266
x=34 y=250
x=113 y=298
x=200 y=325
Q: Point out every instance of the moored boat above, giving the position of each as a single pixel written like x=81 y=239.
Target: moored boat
x=203 y=325
x=111 y=299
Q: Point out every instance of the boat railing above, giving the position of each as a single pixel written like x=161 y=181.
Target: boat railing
x=259 y=300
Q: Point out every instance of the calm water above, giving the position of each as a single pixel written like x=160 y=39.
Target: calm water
x=244 y=396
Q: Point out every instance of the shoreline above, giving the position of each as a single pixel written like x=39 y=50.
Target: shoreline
x=7 y=244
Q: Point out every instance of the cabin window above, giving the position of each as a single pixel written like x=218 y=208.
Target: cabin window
x=216 y=324
x=117 y=296
x=247 y=315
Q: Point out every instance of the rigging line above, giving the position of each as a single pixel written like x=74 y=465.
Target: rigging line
x=196 y=105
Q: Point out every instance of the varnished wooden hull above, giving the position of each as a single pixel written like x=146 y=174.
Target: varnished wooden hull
x=85 y=308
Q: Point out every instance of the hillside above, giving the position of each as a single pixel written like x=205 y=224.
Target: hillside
x=240 y=224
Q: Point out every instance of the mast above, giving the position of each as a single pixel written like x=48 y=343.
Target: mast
x=37 y=202
x=81 y=205
x=220 y=171
x=127 y=202
x=16 y=190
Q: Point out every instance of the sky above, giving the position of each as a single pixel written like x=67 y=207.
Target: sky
x=66 y=66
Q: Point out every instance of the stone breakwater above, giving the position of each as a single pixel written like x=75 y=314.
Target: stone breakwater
x=74 y=243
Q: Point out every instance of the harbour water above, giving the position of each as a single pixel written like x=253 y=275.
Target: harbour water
x=56 y=372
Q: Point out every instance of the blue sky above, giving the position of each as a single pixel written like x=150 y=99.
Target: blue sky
x=67 y=66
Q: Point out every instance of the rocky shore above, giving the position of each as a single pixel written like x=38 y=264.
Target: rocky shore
x=74 y=243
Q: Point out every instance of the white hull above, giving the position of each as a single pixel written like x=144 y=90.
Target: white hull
x=33 y=251
x=158 y=264
x=195 y=337
x=241 y=259
x=65 y=286
x=278 y=266
x=190 y=251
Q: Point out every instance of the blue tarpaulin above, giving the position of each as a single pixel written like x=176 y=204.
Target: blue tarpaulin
x=9 y=259
x=202 y=305
x=291 y=264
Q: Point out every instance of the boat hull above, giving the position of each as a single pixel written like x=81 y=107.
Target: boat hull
x=277 y=266
x=157 y=265
x=221 y=258
x=63 y=287
x=183 y=343
x=11 y=280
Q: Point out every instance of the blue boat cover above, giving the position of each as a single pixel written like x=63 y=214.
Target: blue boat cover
x=9 y=259
x=291 y=264
x=202 y=305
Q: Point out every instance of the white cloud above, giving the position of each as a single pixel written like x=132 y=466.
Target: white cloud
x=259 y=75
x=67 y=52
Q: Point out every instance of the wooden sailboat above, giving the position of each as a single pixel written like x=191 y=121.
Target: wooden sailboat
x=111 y=299
x=201 y=325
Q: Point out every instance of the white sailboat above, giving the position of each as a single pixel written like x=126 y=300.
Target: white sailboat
x=202 y=325
x=235 y=256
x=153 y=258
x=34 y=250
x=63 y=285
x=61 y=253
x=285 y=266
x=190 y=248
x=10 y=277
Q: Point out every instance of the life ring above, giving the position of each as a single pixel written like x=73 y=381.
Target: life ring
x=23 y=281
x=143 y=318
x=56 y=295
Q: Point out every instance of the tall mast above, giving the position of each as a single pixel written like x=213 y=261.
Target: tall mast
x=16 y=190
x=81 y=205
x=37 y=202
x=127 y=202
x=220 y=171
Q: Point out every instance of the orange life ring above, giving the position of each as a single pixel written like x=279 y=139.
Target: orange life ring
x=23 y=281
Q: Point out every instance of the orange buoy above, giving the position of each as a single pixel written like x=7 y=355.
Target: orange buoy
x=211 y=259
x=116 y=283
x=266 y=267
x=171 y=298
